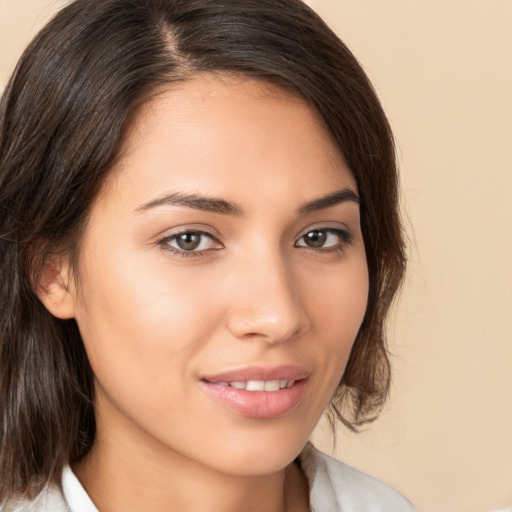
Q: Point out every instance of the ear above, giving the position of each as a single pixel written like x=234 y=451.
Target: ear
x=56 y=288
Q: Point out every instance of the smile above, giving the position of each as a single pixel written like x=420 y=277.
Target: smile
x=259 y=392
x=259 y=385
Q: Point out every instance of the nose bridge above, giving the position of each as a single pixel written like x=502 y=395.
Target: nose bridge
x=268 y=304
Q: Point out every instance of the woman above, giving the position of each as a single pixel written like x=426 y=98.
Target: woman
x=200 y=241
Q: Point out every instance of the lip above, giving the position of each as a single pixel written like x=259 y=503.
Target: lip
x=259 y=404
x=285 y=372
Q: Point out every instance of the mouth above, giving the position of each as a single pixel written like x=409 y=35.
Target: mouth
x=258 y=385
x=256 y=392
x=254 y=377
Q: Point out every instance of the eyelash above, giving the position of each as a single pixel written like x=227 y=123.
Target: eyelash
x=344 y=236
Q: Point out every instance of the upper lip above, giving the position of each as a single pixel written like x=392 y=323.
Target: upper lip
x=284 y=372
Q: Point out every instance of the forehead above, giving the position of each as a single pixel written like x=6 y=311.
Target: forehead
x=229 y=134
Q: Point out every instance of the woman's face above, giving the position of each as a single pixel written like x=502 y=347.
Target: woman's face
x=223 y=279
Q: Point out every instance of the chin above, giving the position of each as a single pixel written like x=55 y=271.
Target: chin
x=262 y=452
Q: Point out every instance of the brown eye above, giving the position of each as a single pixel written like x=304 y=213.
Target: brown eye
x=324 y=239
x=315 y=239
x=188 y=241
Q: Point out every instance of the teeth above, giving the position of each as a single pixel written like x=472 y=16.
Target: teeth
x=259 y=385
x=272 y=385
x=255 y=385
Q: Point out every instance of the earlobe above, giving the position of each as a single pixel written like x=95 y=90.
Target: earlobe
x=55 y=288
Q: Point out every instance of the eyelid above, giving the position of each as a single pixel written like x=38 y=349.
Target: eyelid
x=326 y=226
x=188 y=228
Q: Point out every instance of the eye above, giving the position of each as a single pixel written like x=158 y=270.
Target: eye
x=324 y=239
x=190 y=242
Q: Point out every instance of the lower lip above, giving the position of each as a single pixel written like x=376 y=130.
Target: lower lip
x=258 y=404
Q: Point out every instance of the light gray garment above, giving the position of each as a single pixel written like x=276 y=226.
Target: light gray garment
x=334 y=487
x=337 y=487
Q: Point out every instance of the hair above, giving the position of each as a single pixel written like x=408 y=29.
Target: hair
x=62 y=119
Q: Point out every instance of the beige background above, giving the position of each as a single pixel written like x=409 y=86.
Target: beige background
x=443 y=70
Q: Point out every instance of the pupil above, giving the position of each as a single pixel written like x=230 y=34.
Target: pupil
x=316 y=238
x=189 y=241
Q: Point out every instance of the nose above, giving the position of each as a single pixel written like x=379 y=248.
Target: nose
x=267 y=304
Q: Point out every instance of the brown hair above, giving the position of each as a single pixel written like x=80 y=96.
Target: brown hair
x=61 y=121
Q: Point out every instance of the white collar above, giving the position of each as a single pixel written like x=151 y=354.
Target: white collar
x=78 y=500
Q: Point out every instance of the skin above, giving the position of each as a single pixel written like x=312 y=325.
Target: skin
x=155 y=322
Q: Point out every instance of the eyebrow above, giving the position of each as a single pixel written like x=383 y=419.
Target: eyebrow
x=341 y=196
x=216 y=205
x=196 y=201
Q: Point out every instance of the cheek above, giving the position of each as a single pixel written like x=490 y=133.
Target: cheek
x=337 y=308
x=143 y=327
x=136 y=316
x=339 y=301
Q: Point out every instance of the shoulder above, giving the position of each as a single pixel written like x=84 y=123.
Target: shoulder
x=335 y=486
x=50 y=500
